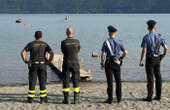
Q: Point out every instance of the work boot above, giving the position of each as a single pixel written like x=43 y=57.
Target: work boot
x=157 y=98
x=66 y=98
x=43 y=100
x=109 y=101
x=147 y=99
x=119 y=100
x=76 y=98
x=30 y=100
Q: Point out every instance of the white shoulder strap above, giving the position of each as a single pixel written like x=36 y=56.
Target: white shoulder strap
x=109 y=46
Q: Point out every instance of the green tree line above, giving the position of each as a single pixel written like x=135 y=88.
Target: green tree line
x=84 y=6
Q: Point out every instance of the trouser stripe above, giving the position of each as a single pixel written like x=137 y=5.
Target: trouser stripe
x=66 y=89
x=31 y=93
x=77 y=89
x=43 y=93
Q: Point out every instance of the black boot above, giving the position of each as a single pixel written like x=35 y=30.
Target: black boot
x=30 y=100
x=148 y=99
x=76 y=98
x=66 y=98
x=43 y=100
x=109 y=101
x=157 y=98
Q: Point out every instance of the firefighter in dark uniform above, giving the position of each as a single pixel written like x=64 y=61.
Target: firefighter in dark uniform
x=70 y=48
x=151 y=49
x=112 y=63
x=37 y=66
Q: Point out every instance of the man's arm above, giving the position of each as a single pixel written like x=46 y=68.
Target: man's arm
x=124 y=53
x=79 y=48
x=23 y=55
x=51 y=56
x=102 y=59
x=62 y=47
x=143 y=54
x=165 y=51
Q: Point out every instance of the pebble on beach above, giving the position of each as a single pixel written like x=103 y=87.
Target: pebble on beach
x=92 y=96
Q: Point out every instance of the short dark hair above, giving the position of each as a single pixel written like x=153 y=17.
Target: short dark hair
x=111 y=29
x=38 y=34
x=151 y=24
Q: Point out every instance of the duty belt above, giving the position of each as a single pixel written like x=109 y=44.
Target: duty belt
x=38 y=62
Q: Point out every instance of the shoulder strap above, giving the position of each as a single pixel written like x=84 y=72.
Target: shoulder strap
x=109 y=46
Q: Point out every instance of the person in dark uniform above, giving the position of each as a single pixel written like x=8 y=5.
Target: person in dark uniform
x=112 y=48
x=151 y=49
x=37 y=66
x=70 y=47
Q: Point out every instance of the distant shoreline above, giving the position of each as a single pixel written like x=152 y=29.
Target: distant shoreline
x=84 y=13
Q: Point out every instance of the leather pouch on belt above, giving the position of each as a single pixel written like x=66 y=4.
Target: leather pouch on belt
x=115 y=60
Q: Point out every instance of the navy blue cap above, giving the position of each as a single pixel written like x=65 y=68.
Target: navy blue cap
x=111 y=29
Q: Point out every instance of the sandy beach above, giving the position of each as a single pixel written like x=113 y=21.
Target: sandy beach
x=92 y=96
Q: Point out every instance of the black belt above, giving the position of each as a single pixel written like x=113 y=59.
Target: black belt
x=153 y=55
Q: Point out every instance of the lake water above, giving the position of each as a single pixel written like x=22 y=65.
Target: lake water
x=90 y=29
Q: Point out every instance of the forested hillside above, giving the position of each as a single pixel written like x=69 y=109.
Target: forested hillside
x=84 y=6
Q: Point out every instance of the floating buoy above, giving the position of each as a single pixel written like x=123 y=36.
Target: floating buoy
x=19 y=20
x=67 y=17
x=94 y=54
x=25 y=24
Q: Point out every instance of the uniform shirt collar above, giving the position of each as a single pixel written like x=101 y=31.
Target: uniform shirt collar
x=37 y=40
x=69 y=38
x=152 y=32
x=111 y=38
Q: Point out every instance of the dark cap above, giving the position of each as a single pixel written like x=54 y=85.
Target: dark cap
x=111 y=29
x=151 y=24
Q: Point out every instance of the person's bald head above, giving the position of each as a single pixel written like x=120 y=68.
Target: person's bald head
x=69 y=32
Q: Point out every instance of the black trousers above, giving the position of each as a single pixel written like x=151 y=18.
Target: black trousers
x=37 y=70
x=113 y=69
x=153 y=69
x=73 y=68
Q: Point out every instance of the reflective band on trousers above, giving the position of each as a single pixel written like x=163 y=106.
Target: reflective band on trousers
x=43 y=91
x=31 y=91
x=43 y=95
x=31 y=95
x=66 y=89
x=77 y=89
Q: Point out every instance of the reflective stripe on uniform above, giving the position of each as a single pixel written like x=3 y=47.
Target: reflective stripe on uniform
x=66 y=89
x=43 y=91
x=37 y=62
x=31 y=91
x=31 y=95
x=77 y=89
x=42 y=62
x=43 y=95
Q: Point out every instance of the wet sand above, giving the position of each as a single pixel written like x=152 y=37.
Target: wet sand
x=92 y=96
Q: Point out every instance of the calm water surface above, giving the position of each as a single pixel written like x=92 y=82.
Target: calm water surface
x=90 y=29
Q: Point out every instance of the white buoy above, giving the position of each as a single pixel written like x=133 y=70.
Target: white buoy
x=94 y=54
